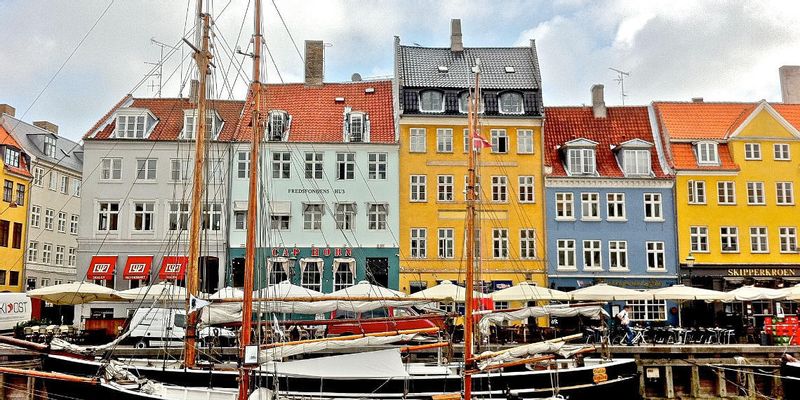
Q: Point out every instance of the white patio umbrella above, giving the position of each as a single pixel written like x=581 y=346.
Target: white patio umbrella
x=74 y=293
x=525 y=291
x=751 y=293
x=286 y=289
x=791 y=292
x=681 y=293
x=162 y=291
x=605 y=292
x=227 y=293
x=446 y=290
x=366 y=289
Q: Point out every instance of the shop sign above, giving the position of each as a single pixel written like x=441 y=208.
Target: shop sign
x=743 y=272
x=315 y=252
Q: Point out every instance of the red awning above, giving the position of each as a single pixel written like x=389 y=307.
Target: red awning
x=173 y=267
x=137 y=267
x=102 y=267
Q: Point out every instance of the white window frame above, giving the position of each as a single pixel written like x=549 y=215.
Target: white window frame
x=419 y=243
x=240 y=220
x=697 y=192
x=590 y=201
x=345 y=216
x=518 y=108
x=281 y=165
x=146 y=169
x=73 y=224
x=212 y=217
x=62 y=222
x=729 y=235
x=50 y=146
x=49 y=218
x=444 y=140
x=345 y=165
x=500 y=244
x=431 y=110
x=38 y=176
x=655 y=250
x=357 y=120
x=592 y=255
x=243 y=164
x=178 y=216
x=788 y=239
x=313 y=165
x=755 y=194
x=179 y=167
x=525 y=141
x=499 y=189
x=445 y=243
x=759 y=240
x=59 y=258
x=752 y=151
x=144 y=212
x=445 y=192
x=36 y=215
x=377 y=216
x=565 y=206
x=698 y=239
x=615 y=207
x=781 y=152
x=707 y=153
x=653 y=207
x=581 y=162
x=498 y=137
x=527 y=244
x=190 y=126
x=33 y=251
x=137 y=120
x=72 y=255
x=418 y=188
x=637 y=162
x=111 y=169
x=565 y=249
x=277 y=118
x=417 y=140
x=108 y=215
x=726 y=193
x=648 y=310
x=377 y=166
x=618 y=250
x=312 y=216
x=280 y=222
x=526 y=189
x=784 y=193
x=47 y=251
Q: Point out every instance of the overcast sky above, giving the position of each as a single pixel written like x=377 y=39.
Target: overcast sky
x=674 y=50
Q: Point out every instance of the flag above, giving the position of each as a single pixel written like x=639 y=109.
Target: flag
x=276 y=327
x=196 y=304
x=479 y=141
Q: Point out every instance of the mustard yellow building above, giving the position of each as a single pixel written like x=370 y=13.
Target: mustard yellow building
x=15 y=178
x=737 y=168
x=433 y=87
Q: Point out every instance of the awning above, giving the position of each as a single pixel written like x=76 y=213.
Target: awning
x=173 y=267
x=283 y=261
x=239 y=205
x=102 y=267
x=311 y=260
x=137 y=267
x=351 y=264
x=280 y=207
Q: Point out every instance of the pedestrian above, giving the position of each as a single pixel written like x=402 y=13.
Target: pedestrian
x=625 y=322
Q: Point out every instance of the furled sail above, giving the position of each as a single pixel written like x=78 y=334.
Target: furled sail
x=496 y=318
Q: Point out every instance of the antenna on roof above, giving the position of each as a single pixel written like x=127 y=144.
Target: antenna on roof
x=621 y=82
x=159 y=64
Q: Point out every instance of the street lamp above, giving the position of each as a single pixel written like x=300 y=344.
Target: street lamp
x=689 y=266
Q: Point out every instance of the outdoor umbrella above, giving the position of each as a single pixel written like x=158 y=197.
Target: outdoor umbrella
x=446 y=290
x=525 y=291
x=162 y=291
x=366 y=289
x=227 y=293
x=74 y=293
x=682 y=293
x=605 y=292
x=286 y=289
x=791 y=292
x=751 y=293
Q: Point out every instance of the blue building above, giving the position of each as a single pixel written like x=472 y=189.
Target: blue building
x=609 y=208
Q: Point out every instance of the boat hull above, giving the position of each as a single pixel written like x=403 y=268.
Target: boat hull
x=790 y=372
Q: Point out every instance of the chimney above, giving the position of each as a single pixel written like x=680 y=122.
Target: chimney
x=456 y=44
x=47 y=125
x=790 y=83
x=7 y=109
x=598 y=103
x=697 y=99
x=194 y=87
x=315 y=62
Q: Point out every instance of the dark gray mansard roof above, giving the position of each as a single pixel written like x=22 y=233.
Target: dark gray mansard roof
x=419 y=67
x=31 y=138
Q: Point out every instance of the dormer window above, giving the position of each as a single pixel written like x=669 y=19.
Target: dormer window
x=190 y=126
x=12 y=157
x=356 y=126
x=707 y=153
x=636 y=162
x=278 y=126
x=431 y=101
x=511 y=103
x=581 y=161
x=50 y=146
x=134 y=123
x=463 y=103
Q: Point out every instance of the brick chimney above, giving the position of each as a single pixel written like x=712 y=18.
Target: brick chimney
x=315 y=62
x=790 y=83
x=456 y=43
x=7 y=109
x=697 y=99
x=598 y=102
x=194 y=86
x=47 y=125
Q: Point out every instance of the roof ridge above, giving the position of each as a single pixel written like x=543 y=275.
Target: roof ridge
x=467 y=48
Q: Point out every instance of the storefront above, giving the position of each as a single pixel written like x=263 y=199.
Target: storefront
x=729 y=277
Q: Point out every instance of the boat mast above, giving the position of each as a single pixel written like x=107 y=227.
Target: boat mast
x=472 y=121
x=203 y=59
x=252 y=202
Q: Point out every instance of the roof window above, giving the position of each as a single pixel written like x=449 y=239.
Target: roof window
x=278 y=126
x=510 y=70
x=443 y=68
x=431 y=101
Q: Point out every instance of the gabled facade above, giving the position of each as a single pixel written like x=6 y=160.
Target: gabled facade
x=736 y=167
x=433 y=87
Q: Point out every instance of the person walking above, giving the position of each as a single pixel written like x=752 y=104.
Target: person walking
x=625 y=322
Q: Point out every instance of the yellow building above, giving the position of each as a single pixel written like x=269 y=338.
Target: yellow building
x=13 y=213
x=433 y=86
x=737 y=165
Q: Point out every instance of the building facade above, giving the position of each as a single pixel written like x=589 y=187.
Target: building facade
x=433 y=88
x=54 y=210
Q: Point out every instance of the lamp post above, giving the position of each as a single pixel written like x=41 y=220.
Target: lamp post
x=689 y=266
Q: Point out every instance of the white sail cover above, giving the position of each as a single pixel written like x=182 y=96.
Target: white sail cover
x=60 y=344
x=221 y=313
x=371 y=364
x=496 y=318
x=530 y=350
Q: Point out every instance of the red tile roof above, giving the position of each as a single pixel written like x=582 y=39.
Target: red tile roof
x=683 y=158
x=563 y=124
x=318 y=117
x=698 y=121
x=7 y=140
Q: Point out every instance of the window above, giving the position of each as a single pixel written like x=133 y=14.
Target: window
x=566 y=254
x=418 y=188
x=345 y=165
x=343 y=276
x=445 y=187
x=53 y=181
x=581 y=161
x=33 y=251
x=49 y=214
x=788 y=237
x=146 y=169
x=72 y=253
x=526 y=194
x=279 y=222
x=216 y=172
x=281 y=165
x=64 y=184
x=499 y=189
x=501 y=305
x=618 y=254
x=59 y=255
x=5 y=228
x=590 y=206
x=314 y=165
x=312 y=277
x=446 y=242
x=755 y=193
x=752 y=151
x=707 y=153
x=511 y=103
x=417 y=142
x=652 y=207
x=73 y=224
x=785 y=193
x=377 y=165
x=615 y=205
x=277 y=272
x=500 y=243
x=12 y=157
x=475 y=147
x=637 y=162
x=212 y=216
x=697 y=192
x=178 y=170
x=648 y=310
x=698 y=237
x=108 y=217
x=729 y=237
x=431 y=101
x=144 y=216
x=178 y=216
x=463 y=103
x=655 y=255
x=13 y=278
x=47 y=250
x=477 y=186
x=20 y=194
x=76 y=187
x=8 y=191
x=565 y=207
x=50 y=146
x=499 y=140
x=242 y=164
x=527 y=244
x=62 y=221
x=131 y=126
x=38 y=176
x=377 y=216
x=758 y=239
x=277 y=125
x=524 y=141
x=36 y=212
x=419 y=242
x=726 y=192
x=45 y=282
x=781 y=151
x=357 y=128
x=591 y=255
x=345 y=216
x=240 y=220
x=111 y=169
x=444 y=140
x=312 y=217
x=16 y=241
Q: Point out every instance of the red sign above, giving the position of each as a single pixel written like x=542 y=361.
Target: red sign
x=137 y=267
x=173 y=267
x=102 y=267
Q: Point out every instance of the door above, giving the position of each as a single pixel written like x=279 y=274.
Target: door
x=237 y=272
x=209 y=274
x=378 y=271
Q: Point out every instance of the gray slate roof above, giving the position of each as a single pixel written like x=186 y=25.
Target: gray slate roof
x=31 y=138
x=419 y=67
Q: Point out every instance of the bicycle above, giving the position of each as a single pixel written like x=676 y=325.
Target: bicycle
x=639 y=337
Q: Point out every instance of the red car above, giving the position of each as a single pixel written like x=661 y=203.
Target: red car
x=382 y=320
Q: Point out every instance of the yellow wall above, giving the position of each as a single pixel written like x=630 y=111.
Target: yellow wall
x=11 y=259
x=433 y=215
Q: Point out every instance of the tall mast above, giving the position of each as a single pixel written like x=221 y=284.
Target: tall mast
x=252 y=202
x=472 y=121
x=202 y=58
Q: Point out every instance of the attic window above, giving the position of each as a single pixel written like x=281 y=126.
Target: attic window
x=50 y=146
x=581 y=161
x=189 y=124
x=443 y=68
x=431 y=101
x=511 y=103
x=510 y=70
x=357 y=127
x=12 y=157
x=132 y=126
x=277 y=126
x=339 y=99
x=636 y=162
x=463 y=100
x=369 y=90
x=707 y=153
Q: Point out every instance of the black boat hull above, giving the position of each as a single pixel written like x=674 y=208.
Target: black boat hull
x=790 y=372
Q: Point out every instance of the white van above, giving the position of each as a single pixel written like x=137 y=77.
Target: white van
x=158 y=327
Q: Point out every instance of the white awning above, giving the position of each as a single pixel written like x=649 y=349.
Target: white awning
x=280 y=207
x=239 y=205
x=306 y=260
x=351 y=263
x=283 y=261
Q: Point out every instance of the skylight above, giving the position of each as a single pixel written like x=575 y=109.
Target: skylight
x=510 y=70
x=369 y=90
x=339 y=99
x=442 y=68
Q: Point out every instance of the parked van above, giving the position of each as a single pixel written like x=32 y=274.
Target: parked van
x=158 y=327
x=383 y=320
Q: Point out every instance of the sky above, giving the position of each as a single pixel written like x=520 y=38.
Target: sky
x=673 y=50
